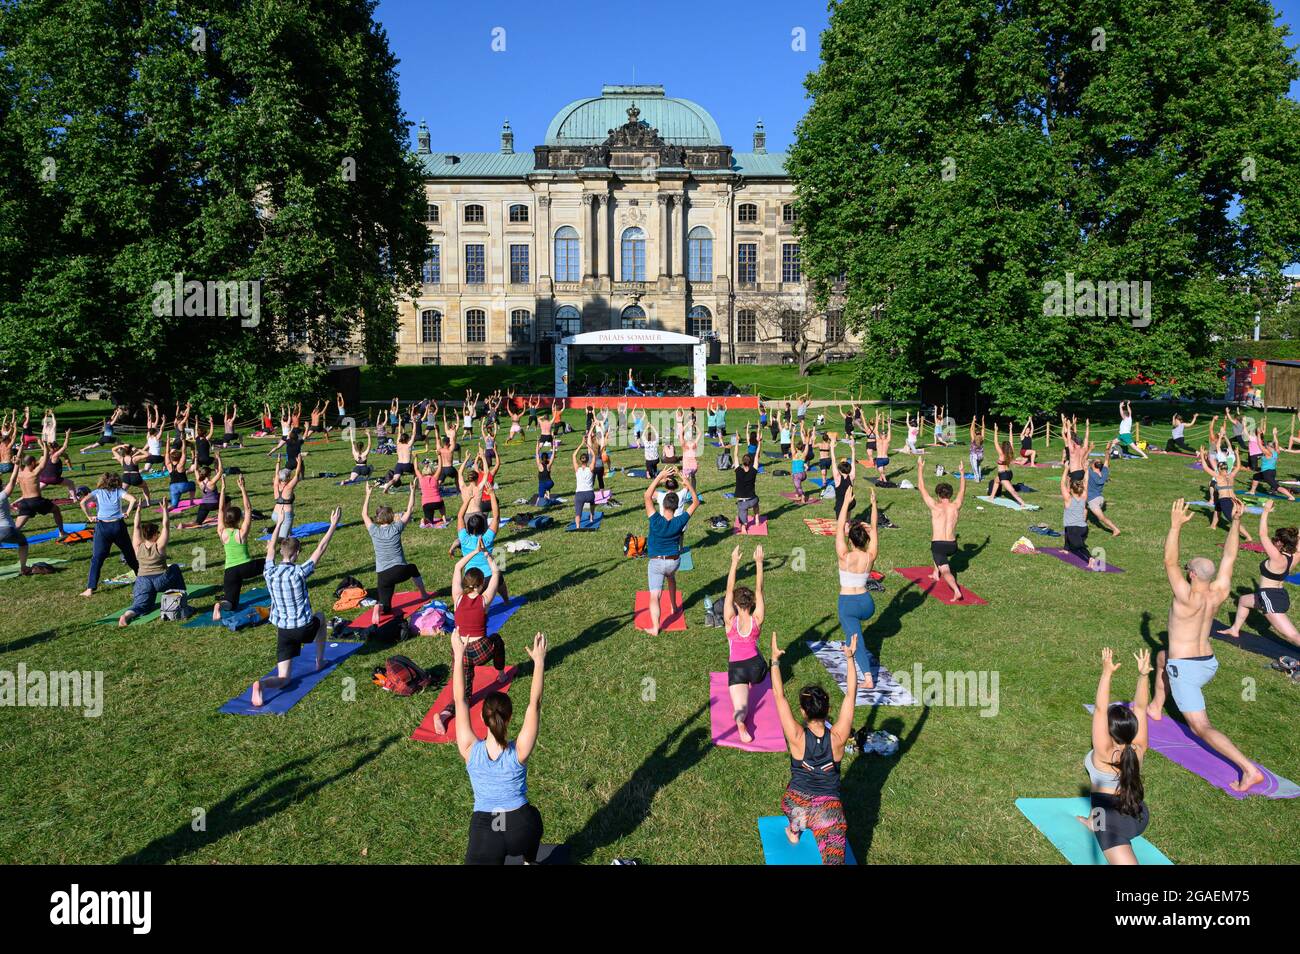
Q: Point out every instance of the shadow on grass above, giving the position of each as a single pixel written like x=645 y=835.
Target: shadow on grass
x=630 y=806
x=26 y=642
x=278 y=789
x=864 y=781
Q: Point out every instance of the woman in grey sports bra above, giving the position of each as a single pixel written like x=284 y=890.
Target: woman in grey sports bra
x=1271 y=597
x=1118 y=812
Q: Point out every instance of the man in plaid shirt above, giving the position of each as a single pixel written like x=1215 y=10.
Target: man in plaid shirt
x=295 y=624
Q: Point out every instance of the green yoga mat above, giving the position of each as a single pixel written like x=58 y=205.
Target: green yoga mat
x=1057 y=819
x=10 y=571
x=205 y=589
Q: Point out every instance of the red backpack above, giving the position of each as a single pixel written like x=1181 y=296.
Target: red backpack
x=400 y=676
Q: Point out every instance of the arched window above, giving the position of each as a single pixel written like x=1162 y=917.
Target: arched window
x=634 y=317
x=787 y=214
x=568 y=321
x=633 y=255
x=747 y=213
x=521 y=326
x=431 y=213
x=568 y=266
x=476 y=326
x=473 y=213
x=519 y=213
x=699 y=321
x=430 y=326
x=699 y=255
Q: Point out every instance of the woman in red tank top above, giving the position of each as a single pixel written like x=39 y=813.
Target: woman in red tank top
x=471 y=595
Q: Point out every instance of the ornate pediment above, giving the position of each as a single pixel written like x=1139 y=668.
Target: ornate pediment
x=629 y=147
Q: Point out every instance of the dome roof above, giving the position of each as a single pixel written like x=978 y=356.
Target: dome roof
x=588 y=121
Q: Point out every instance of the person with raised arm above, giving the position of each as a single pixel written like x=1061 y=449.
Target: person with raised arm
x=812 y=799
x=664 y=543
x=944 y=512
x=742 y=616
x=1189 y=664
x=391 y=565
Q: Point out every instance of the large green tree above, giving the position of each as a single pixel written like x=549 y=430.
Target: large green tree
x=960 y=155
x=228 y=141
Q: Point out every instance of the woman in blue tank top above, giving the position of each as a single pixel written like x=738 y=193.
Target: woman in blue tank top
x=812 y=799
x=503 y=823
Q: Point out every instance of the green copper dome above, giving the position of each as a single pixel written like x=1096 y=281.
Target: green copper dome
x=588 y=121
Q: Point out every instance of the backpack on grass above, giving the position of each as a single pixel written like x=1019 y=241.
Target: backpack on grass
x=401 y=677
x=634 y=546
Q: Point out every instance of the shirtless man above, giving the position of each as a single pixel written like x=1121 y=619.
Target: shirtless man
x=883 y=439
x=446 y=456
x=1198 y=593
x=944 y=512
x=404 y=465
x=31 y=503
x=316 y=423
x=1077 y=451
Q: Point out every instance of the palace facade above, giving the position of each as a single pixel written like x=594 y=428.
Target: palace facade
x=632 y=213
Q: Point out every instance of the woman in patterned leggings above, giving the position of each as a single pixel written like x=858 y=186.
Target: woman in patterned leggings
x=812 y=799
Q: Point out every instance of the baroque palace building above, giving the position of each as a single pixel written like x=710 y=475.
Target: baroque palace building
x=632 y=213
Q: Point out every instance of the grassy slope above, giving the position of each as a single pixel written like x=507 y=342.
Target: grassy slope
x=620 y=771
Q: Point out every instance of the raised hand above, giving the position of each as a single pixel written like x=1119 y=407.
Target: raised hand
x=1143 y=657
x=1108 y=664
x=537 y=651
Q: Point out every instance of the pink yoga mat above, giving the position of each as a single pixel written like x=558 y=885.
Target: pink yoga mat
x=920 y=575
x=1065 y=556
x=756 y=529
x=1179 y=745
x=764 y=724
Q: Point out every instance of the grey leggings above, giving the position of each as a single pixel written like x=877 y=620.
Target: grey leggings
x=743 y=507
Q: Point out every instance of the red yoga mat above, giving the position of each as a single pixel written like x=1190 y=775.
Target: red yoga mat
x=669 y=619
x=920 y=575
x=485 y=681
x=401 y=603
x=756 y=529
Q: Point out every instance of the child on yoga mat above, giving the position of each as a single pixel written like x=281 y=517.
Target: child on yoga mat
x=1118 y=813
x=1199 y=591
x=504 y=822
x=295 y=624
x=472 y=592
x=742 y=615
x=944 y=511
x=856 y=547
x=812 y=799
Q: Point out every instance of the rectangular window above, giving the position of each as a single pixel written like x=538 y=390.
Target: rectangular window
x=431 y=273
x=475 y=265
x=835 y=325
x=473 y=213
x=746 y=326
x=790 y=270
x=567 y=265
x=701 y=326
x=747 y=263
x=476 y=326
x=787 y=214
x=430 y=327
x=430 y=361
x=431 y=213
x=746 y=359
x=791 y=326
x=748 y=214
x=519 y=264
x=521 y=327
x=476 y=361
x=699 y=265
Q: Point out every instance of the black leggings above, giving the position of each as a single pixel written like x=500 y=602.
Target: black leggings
x=495 y=835
x=1076 y=541
x=234 y=577
x=434 y=511
x=388 y=580
x=1177 y=445
x=599 y=474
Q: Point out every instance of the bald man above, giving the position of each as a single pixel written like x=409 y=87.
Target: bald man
x=1199 y=591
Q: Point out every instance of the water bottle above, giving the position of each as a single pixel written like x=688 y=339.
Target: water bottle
x=708 y=606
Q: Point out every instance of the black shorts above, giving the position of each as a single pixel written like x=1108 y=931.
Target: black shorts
x=749 y=671
x=1076 y=475
x=1006 y=475
x=942 y=550
x=447 y=473
x=1112 y=827
x=289 y=642
x=1272 y=599
x=33 y=506
x=1224 y=506
x=403 y=467
x=133 y=479
x=434 y=511
x=362 y=470
x=1268 y=478
x=154 y=459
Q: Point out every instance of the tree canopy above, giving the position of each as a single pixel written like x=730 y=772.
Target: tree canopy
x=256 y=141
x=959 y=157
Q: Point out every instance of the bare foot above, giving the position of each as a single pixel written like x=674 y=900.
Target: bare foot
x=792 y=837
x=956 y=595
x=867 y=681
x=124 y=619
x=744 y=733
x=87 y=592
x=1115 y=532
x=1248 y=780
x=440 y=724
x=257 y=693
x=502 y=678
x=1155 y=712
x=1232 y=631
x=653 y=630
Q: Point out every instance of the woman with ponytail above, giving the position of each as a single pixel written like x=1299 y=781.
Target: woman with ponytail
x=1119 y=742
x=504 y=822
x=1271 y=597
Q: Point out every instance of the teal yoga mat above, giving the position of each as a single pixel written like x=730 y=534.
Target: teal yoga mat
x=1008 y=503
x=1057 y=819
x=204 y=620
x=777 y=849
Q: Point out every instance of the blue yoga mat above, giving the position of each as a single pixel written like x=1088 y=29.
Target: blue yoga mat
x=685 y=561
x=777 y=849
x=257 y=597
x=501 y=610
x=1057 y=819
x=588 y=523
x=644 y=475
x=303 y=677
x=48 y=535
x=302 y=530
x=1206 y=505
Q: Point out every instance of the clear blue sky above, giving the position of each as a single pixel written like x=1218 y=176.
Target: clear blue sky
x=734 y=58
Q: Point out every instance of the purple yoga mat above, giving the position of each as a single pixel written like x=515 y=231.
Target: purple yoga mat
x=1065 y=556
x=1179 y=745
x=764 y=724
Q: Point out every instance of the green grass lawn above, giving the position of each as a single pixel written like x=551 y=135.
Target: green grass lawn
x=621 y=770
